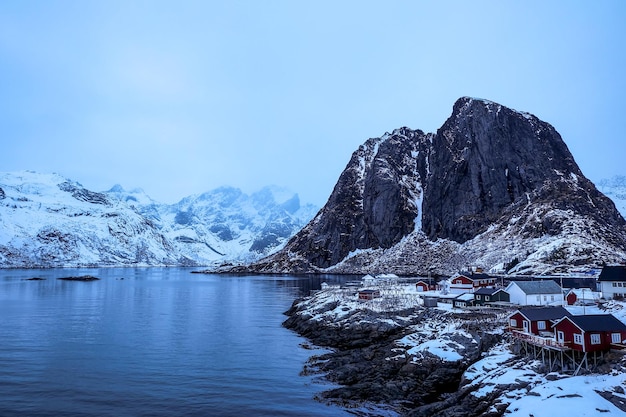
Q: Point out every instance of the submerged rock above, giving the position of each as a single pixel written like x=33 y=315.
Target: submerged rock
x=80 y=278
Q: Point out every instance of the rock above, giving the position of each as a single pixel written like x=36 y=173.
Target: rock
x=80 y=278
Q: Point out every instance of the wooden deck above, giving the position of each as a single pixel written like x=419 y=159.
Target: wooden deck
x=547 y=342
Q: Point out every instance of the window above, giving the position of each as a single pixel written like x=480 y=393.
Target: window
x=614 y=284
x=616 y=338
x=545 y=298
x=541 y=325
x=552 y=298
x=595 y=339
x=478 y=296
x=578 y=338
x=486 y=298
x=513 y=323
x=538 y=298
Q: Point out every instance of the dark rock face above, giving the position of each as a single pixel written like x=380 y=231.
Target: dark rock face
x=360 y=361
x=487 y=157
x=373 y=203
x=487 y=169
x=83 y=194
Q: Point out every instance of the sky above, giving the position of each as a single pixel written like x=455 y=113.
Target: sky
x=181 y=97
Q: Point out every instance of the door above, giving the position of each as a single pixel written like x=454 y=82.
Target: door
x=560 y=337
x=525 y=325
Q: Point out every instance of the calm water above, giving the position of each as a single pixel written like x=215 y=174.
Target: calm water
x=152 y=342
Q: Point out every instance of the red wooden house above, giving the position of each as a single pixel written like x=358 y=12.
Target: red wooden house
x=421 y=286
x=368 y=294
x=536 y=320
x=470 y=283
x=591 y=333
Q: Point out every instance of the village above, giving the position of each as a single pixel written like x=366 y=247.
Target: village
x=569 y=329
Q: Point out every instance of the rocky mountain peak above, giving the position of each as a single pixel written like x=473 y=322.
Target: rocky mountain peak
x=492 y=185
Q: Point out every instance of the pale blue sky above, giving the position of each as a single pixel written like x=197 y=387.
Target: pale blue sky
x=180 y=97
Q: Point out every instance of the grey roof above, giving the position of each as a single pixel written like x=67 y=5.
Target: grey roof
x=598 y=323
x=544 y=313
x=539 y=287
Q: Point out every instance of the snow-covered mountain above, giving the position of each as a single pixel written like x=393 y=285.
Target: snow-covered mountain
x=615 y=189
x=47 y=220
x=493 y=187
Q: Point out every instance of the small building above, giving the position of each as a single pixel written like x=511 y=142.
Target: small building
x=368 y=294
x=421 y=286
x=591 y=333
x=546 y=292
x=430 y=302
x=612 y=282
x=536 y=320
x=581 y=296
x=368 y=280
x=464 y=300
x=484 y=296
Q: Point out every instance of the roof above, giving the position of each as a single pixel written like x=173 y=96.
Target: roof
x=473 y=276
x=488 y=291
x=538 y=287
x=613 y=273
x=466 y=297
x=544 y=313
x=598 y=322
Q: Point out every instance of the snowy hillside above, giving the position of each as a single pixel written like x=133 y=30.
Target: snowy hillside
x=48 y=220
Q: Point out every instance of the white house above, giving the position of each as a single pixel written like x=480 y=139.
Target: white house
x=612 y=282
x=539 y=293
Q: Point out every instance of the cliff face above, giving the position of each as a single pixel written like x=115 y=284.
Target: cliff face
x=492 y=186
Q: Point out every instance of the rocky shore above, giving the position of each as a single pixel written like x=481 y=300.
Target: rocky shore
x=372 y=360
x=387 y=358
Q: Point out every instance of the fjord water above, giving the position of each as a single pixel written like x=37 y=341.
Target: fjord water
x=152 y=342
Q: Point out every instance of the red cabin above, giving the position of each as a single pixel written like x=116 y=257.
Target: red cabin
x=537 y=321
x=421 y=286
x=368 y=294
x=591 y=333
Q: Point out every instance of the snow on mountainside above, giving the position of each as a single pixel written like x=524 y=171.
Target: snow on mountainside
x=615 y=189
x=47 y=220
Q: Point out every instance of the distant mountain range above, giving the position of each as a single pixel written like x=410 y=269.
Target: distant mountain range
x=50 y=221
x=494 y=188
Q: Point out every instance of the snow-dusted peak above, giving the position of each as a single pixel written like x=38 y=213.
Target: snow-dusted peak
x=134 y=197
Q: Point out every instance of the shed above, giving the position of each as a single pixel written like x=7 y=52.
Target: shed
x=581 y=296
x=430 y=301
x=421 y=286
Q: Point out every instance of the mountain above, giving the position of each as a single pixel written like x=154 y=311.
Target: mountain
x=615 y=189
x=50 y=221
x=493 y=187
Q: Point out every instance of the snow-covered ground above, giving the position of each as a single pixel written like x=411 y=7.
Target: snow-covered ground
x=529 y=392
